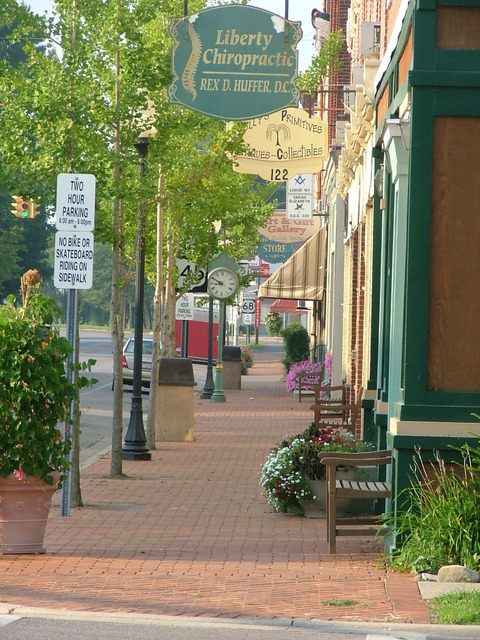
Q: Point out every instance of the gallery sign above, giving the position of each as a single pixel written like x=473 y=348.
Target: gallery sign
x=279 y=229
x=234 y=62
x=284 y=144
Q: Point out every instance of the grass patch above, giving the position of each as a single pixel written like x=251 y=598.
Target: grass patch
x=462 y=607
x=335 y=602
x=253 y=345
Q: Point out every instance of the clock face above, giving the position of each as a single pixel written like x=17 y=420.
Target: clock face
x=222 y=283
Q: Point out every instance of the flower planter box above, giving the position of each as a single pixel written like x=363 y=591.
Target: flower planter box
x=318 y=507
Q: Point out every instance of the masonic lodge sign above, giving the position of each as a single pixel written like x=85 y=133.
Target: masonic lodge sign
x=234 y=62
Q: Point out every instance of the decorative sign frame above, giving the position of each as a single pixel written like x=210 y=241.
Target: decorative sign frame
x=284 y=144
x=234 y=62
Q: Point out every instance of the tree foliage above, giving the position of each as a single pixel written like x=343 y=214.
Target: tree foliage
x=322 y=64
x=79 y=103
x=23 y=242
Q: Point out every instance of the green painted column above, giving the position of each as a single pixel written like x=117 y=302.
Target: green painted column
x=397 y=160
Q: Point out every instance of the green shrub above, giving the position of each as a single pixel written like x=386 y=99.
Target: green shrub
x=273 y=323
x=296 y=344
x=35 y=392
x=246 y=360
x=440 y=523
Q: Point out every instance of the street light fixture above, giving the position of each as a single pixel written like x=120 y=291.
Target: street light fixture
x=135 y=445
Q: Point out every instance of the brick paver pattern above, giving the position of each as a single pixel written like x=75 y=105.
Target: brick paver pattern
x=189 y=533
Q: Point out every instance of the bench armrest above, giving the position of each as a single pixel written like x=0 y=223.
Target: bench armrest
x=367 y=459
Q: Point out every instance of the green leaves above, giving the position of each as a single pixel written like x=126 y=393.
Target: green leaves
x=36 y=393
x=437 y=522
x=322 y=64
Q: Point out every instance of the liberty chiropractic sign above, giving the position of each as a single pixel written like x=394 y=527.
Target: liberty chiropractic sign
x=234 y=62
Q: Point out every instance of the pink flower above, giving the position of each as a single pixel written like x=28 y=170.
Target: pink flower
x=20 y=474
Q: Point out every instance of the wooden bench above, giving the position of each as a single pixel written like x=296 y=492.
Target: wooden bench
x=328 y=393
x=333 y=396
x=330 y=413
x=360 y=525
x=308 y=378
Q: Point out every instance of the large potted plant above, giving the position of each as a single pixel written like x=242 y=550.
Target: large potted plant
x=35 y=397
x=293 y=478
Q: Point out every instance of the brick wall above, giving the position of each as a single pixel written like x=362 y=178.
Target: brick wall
x=333 y=99
x=356 y=315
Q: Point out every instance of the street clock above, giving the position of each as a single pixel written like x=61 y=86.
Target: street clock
x=222 y=283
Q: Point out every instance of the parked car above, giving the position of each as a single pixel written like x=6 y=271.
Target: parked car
x=128 y=351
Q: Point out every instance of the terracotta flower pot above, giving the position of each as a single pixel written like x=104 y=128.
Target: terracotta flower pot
x=24 y=508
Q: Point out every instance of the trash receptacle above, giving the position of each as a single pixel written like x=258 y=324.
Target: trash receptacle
x=232 y=368
x=175 y=401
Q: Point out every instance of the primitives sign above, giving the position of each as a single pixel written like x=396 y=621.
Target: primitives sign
x=234 y=62
x=284 y=144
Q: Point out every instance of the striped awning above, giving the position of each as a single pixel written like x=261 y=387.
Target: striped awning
x=302 y=276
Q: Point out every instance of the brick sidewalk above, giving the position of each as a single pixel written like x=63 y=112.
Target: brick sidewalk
x=189 y=533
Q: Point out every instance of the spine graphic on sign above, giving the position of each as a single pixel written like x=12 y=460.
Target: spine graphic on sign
x=188 y=77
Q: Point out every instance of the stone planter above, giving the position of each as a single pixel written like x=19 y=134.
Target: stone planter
x=317 y=508
x=24 y=508
x=363 y=506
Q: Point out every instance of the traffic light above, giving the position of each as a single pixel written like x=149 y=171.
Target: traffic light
x=19 y=207
x=33 y=209
x=23 y=209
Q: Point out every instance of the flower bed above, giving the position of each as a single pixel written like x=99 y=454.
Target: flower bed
x=246 y=360
x=284 y=475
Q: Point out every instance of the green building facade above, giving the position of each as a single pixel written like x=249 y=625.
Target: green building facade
x=425 y=359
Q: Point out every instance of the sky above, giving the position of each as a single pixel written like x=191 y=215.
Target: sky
x=299 y=11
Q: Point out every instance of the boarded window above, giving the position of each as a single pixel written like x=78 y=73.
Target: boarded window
x=458 y=28
x=454 y=305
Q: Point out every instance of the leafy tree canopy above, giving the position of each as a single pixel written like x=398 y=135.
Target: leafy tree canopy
x=322 y=64
x=82 y=106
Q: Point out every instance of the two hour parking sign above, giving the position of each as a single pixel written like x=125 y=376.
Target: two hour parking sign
x=74 y=241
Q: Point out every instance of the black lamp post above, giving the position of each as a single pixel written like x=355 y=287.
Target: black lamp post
x=135 y=445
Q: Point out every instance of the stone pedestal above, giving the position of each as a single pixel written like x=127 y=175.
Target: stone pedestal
x=232 y=368
x=175 y=401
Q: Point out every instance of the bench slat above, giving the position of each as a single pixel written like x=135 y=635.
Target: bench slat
x=360 y=525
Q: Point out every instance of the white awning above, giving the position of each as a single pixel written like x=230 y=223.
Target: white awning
x=302 y=276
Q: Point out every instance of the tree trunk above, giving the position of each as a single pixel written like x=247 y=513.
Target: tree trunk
x=169 y=303
x=157 y=307
x=117 y=308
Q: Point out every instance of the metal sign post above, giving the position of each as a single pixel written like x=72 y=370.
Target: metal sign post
x=73 y=270
x=72 y=315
